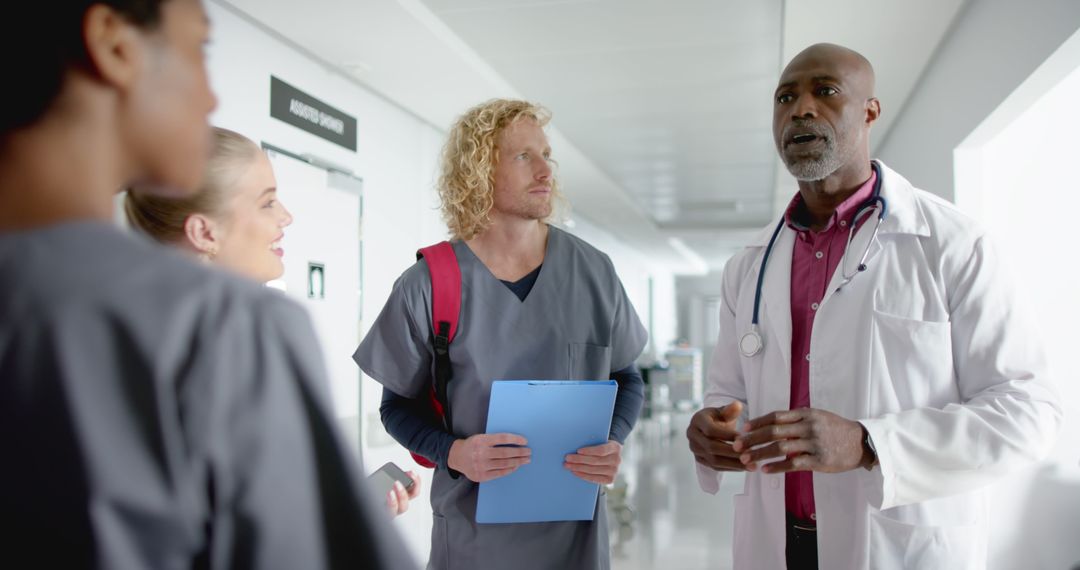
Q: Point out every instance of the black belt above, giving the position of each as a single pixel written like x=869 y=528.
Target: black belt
x=801 y=525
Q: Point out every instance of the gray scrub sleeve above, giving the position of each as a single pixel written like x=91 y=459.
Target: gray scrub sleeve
x=628 y=336
x=395 y=352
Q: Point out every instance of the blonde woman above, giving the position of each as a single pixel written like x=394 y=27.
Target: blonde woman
x=541 y=303
x=235 y=221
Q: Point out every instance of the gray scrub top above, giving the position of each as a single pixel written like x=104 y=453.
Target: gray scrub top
x=155 y=413
x=576 y=324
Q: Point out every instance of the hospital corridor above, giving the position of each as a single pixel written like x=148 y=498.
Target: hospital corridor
x=540 y=285
x=664 y=521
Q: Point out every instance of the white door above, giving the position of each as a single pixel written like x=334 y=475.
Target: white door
x=322 y=272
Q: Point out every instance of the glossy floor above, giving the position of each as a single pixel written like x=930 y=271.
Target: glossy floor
x=660 y=518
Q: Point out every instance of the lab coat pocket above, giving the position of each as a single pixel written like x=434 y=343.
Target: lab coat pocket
x=911 y=363
x=894 y=544
x=589 y=362
x=440 y=546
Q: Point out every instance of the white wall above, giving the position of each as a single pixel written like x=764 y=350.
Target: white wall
x=325 y=230
x=665 y=313
x=1013 y=174
x=993 y=46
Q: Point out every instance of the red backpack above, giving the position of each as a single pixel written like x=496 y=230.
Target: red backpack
x=445 y=309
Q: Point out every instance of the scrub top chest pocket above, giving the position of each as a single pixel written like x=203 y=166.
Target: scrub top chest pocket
x=589 y=362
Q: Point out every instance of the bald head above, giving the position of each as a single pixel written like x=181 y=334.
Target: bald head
x=839 y=60
x=824 y=106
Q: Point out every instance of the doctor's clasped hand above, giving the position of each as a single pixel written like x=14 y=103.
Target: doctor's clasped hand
x=810 y=439
x=712 y=433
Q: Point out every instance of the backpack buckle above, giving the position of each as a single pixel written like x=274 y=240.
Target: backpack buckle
x=442 y=339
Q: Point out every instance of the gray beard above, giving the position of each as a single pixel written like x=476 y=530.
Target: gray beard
x=813 y=169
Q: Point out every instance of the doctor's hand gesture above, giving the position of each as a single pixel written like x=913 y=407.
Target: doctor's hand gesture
x=808 y=439
x=711 y=434
x=596 y=464
x=483 y=457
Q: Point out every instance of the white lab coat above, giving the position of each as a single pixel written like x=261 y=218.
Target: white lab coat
x=929 y=350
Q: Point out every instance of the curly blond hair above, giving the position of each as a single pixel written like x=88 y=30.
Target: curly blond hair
x=467 y=180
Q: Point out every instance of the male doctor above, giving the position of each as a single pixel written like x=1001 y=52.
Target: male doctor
x=888 y=377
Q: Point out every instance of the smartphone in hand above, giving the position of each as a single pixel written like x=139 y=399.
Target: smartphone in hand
x=382 y=480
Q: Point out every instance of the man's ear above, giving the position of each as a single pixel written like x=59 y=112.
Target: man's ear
x=203 y=234
x=115 y=47
x=873 y=110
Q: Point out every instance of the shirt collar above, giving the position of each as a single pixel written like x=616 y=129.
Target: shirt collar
x=844 y=211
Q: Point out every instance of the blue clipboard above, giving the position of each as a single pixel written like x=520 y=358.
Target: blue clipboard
x=557 y=418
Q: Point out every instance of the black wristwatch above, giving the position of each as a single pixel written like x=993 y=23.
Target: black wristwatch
x=868 y=447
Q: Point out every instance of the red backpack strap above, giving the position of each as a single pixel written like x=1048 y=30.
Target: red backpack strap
x=445 y=285
x=445 y=310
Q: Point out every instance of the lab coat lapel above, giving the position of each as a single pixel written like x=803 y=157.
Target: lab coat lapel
x=902 y=217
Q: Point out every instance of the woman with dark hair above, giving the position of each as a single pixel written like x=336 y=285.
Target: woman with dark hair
x=154 y=413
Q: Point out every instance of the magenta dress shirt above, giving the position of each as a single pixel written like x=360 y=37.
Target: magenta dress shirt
x=815 y=259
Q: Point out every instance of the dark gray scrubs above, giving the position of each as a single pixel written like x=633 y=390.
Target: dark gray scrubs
x=155 y=413
x=576 y=324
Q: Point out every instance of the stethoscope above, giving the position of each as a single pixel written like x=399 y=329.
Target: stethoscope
x=751 y=343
